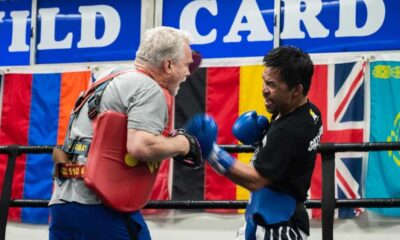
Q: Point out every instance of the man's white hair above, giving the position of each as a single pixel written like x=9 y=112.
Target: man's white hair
x=160 y=43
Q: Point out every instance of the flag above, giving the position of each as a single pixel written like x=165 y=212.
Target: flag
x=188 y=183
x=382 y=178
x=339 y=91
x=1 y=94
x=35 y=111
x=224 y=93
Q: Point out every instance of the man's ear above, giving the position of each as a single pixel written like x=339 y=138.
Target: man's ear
x=167 y=65
x=298 y=90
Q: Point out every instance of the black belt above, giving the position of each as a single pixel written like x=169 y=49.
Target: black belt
x=76 y=146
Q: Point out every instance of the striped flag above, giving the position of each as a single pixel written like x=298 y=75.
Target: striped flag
x=338 y=90
x=1 y=94
x=224 y=93
x=35 y=111
x=227 y=92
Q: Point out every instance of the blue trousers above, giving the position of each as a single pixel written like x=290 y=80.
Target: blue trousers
x=74 y=221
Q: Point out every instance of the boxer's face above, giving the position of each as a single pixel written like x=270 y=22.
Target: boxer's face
x=278 y=98
x=179 y=70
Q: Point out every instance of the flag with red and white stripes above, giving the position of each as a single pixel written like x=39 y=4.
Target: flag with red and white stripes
x=339 y=91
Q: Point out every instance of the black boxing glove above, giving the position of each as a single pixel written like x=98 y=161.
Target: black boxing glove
x=193 y=158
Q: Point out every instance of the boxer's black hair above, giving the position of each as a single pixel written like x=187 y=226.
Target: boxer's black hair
x=292 y=64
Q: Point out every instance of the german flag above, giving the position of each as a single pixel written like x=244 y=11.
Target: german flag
x=224 y=93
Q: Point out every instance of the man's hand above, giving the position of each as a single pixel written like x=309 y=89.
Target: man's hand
x=193 y=158
x=250 y=128
x=204 y=128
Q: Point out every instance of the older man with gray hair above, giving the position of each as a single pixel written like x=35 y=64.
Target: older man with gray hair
x=85 y=203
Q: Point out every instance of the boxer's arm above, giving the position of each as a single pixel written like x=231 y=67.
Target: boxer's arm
x=204 y=128
x=148 y=147
x=247 y=176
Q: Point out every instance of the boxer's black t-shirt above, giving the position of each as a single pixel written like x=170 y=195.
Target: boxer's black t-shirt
x=287 y=155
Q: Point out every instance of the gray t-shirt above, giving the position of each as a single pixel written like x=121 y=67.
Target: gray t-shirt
x=133 y=93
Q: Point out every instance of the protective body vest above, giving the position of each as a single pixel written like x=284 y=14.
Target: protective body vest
x=118 y=179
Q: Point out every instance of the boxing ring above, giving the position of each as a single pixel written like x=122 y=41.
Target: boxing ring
x=328 y=203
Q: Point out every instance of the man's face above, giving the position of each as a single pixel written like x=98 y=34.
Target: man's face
x=278 y=98
x=180 y=70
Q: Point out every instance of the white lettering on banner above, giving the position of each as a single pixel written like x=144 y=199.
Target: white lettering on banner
x=297 y=13
x=255 y=24
x=187 y=20
x=88 y=32
x=347 y=18
x=293 y=16
x=48 y=29
x=88 y=39
x=248 y=9
x=19 y=25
